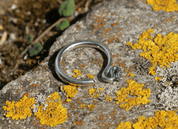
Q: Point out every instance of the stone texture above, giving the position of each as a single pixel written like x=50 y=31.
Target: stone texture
x=123 y=19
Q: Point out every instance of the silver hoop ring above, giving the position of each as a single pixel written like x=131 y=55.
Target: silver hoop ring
x=109 y=74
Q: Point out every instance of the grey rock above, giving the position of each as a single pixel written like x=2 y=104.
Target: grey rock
x=133 y=18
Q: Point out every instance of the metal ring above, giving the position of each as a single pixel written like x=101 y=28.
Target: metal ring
x=109 y=74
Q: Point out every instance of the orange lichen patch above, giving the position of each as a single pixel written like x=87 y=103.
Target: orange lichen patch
x=82 y=106
x=101 y=117
x=99 y=26
x=108 y=98
x=114 y=24
x=158 y=78
x=82 y=66
x=112 y=39
x=20 y=109
x=100 y=22
x=35 y=85
x=133 y=89
x=117 y=55
x=70 y=91
x=160 y=50
x=109 y=40
x=27 y=94
x=114 y=112
x=77 y=73
x=107 y=29
x=91 y=106
x=120 y=64
x=119 y=60
x=117 y=40
x=93 y=93
x=54 y=113
x=166 y=5
x=162 y=119
x=79 y=123
x=90 y=76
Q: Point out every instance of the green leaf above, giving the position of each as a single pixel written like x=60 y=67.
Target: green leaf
x=35 y=49
x=24 y=51
x=29 y=38
x=64 y=24
x=67 y=8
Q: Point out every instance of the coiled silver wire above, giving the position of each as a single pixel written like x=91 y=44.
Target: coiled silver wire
x=109 y=74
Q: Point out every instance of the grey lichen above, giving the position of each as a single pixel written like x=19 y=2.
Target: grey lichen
x=40 y=99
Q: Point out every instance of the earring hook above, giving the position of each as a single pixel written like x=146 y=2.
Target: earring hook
x=109 y=74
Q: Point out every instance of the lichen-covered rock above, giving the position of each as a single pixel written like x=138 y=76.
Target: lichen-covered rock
x=113 y=23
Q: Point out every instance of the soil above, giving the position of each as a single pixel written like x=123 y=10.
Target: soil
x=21 y=17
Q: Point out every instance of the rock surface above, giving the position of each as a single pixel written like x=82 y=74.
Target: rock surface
x=112 y=23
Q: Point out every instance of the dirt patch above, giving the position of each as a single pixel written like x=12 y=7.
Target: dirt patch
x=19 y=18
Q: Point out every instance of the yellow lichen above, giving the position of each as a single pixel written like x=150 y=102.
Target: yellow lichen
x=82 y=106
x=91 y=106
x=133 y=89
x=159 y=50
x=77 y=73
x=130 y=74
x=90 y=76
x=101 y=89
x=93 y=93
x=54 y=113
x=108 y=98
x=162 y=119
x=70 y=91
x=158 y=78
x=167 y=83
x=20 y=109
x=126 y=125
x=166 y=5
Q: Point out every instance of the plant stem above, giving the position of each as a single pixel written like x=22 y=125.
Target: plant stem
x=39 y=37
x=53 y=25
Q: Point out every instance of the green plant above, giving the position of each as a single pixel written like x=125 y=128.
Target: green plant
x=66 y=9
x=29 y=38
x=64 y=24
